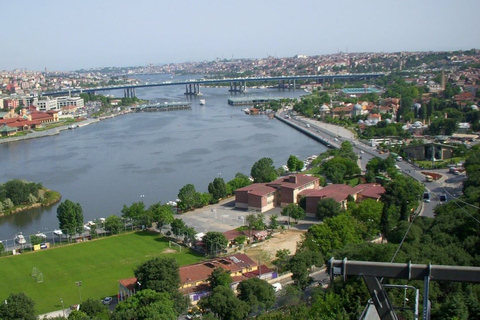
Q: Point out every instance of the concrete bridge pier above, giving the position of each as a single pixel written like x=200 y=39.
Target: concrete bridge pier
x=238 y=86
x=192 y=89
x=129 y=92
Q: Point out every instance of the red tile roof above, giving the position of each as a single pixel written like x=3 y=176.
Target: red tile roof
x=370 y=190
x=293 y=181
x=128 y=283
x=259 y=189
x=201 y=271
x=338 y=192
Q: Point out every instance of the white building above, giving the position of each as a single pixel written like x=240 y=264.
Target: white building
x=45 y=104
x=58 y=103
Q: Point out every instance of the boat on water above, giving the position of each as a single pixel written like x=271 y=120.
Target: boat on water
x=20 y=239
x=41 y=235
x=202 y=102
x=246 y=110
x=58 y=232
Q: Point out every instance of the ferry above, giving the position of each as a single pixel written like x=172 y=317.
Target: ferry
x=202 y=102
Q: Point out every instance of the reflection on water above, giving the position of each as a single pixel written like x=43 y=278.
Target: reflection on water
x=106 y=165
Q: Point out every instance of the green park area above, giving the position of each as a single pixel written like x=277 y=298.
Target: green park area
x=97 y=264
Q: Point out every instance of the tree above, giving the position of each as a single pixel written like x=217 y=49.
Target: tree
x=113 y=224
x=36 y=240
x=283 y=258
x=263 y=171
x=78 y=315
x=274 y=224
x=241 y=180
x=327 y=208
x=135 y=211
x=214 y=242
x=300 y=265
x=257 y=293
x=2 y=248
x=240 y=240
x=161 y=214
x=94 y=308
x=224 y=304
x=178 y=227
x=219 y=277
x=255 y=221
x=187 y=196
x=294 y=164
x=218 y=189
x=294 y=211
x=70 y=217
x=18 y=306
x=159 y=274
x=146 y=304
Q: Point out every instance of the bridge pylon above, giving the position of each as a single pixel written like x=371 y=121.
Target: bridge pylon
x=192 y=89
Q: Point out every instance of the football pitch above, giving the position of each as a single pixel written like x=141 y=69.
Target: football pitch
x=90 y=269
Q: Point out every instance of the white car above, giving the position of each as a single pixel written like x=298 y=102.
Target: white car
x=107 y=300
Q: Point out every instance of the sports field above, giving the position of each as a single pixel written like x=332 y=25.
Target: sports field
x=98 y=264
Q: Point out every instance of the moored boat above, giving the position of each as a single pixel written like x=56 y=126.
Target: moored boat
x=202 y=102
x=20 y=239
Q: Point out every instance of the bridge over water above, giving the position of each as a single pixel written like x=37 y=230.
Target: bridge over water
x=192 y=87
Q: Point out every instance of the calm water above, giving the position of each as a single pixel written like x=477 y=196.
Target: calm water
x=106 y=165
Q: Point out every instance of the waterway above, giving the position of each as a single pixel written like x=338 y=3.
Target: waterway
x=112 y=163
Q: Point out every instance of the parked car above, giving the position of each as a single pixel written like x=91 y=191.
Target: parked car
x=426 y=196
x=443 y=198
x=107 y=300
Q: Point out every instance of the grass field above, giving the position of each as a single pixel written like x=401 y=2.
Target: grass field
x=97 y=264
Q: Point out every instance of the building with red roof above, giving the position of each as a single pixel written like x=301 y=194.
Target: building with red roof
x=194 y=277
x=281 y=192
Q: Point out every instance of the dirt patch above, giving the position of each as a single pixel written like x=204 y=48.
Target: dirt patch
x=265 y=251
x=434 y=175
x=168 y=250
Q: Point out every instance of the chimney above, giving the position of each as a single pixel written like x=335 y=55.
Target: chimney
x=293 y=179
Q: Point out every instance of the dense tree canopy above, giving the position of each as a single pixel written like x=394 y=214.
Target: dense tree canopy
x=215 y=242
x=224 y=304
x=263 y=171
x=257 y=293
x=146 y=304
x=219 y=277
x=70 y=217
x=294 y=164
x=159 y=274
x=18 y=306
x=188 y=197
x=328 y=208
x=218 y=189
x=293 y=211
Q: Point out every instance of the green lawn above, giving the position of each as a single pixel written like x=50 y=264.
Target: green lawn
x=98 y=264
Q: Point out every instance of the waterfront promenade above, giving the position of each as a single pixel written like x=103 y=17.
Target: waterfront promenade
x=46 y=133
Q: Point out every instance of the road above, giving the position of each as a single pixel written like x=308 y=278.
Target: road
x=335 y=135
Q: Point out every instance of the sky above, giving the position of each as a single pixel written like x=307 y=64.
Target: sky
x=66 y=35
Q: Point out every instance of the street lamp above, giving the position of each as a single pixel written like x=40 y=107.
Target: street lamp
x=79 y=285
x=63 y=307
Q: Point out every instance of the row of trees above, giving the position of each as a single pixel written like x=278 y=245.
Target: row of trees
x=18 y=192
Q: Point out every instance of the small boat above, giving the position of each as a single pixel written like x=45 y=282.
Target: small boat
x=20 y=239
x=202 y=102
x=246 y=110
x=58 y=232
x=86 y=227
x=40 y=235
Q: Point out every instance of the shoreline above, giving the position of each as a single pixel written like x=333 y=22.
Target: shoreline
x=47 y=133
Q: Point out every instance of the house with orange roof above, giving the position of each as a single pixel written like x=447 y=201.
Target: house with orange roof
x=194 y=277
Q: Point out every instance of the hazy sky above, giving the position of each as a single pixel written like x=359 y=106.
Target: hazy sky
x=70 y=35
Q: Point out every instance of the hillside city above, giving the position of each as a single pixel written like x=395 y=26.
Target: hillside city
x=399 y=184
